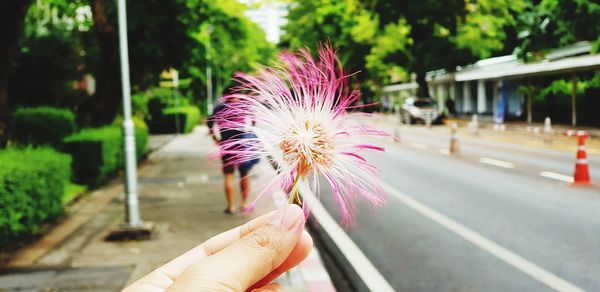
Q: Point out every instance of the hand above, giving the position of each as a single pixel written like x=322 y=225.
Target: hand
x=242 y=259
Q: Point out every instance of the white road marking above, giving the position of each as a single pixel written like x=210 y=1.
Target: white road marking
x=418 y=146
x=557 y=176
x=445 y=151
x=361 y=264
x=496 y=162
x=484 y=243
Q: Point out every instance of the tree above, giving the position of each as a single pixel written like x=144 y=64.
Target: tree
x=12 y=17
x=431 y=23
x=444 y=34
x=548 y=24
x=232 y=41
x=157 y=40
x=52 y=54
x=346 y=24
x=66 y=39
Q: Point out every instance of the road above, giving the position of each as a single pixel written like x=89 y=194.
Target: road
x=485 y=221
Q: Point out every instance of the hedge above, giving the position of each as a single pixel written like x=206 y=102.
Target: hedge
x=98 y=153
x=144 y=102
x=43 y=125
x=32 y=183
x=190 y=115
x=187 y=117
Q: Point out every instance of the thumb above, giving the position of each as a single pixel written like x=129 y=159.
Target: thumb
x=245 y=262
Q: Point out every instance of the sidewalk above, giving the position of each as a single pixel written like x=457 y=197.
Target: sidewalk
x=180 y=191
x=514 y=133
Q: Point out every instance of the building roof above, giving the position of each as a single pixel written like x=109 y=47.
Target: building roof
x=569 y=59
x=565 y=65
x=400 y=86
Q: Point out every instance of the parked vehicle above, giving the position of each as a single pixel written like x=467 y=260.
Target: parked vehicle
x=416 y=109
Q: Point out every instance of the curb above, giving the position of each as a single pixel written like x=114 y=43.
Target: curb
x=83 y=211
x=343 y=276
x=95 y=202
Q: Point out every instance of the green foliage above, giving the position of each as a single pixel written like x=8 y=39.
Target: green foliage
x=51 y=55
x=155 y=99
x=45 y=68
x=188 y=115
x=347 y=25
x=553 y=98
x=61 y=44
x=141 y=137
x=32 y=183
x=394 y=38
x=553 y=23
x=98 y=152
x=483 y=31
x=563 y=87
x=184 y=117
x=43 y=125
x=225 y=40
x=156 y=32
x=71 y=192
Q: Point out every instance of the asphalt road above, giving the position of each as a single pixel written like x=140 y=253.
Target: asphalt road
x=534 y=220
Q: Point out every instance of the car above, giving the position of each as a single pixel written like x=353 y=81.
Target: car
x=420 y=109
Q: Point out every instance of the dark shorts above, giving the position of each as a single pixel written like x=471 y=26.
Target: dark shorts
x=229 y=167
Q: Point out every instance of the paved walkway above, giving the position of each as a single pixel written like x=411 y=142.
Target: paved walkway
x=181 y=192
x=515 y=133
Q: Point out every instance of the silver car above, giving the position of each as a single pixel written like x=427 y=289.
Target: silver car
x=416 y=109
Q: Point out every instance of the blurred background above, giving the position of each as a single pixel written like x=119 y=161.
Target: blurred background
x=491 y=170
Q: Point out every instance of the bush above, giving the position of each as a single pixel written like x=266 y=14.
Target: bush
x=190 y=115
x=187 y=117
x=98 y=153
x=141 y=134
x=144 y=102
x=32 y=183
x=141 y=137
x=43 y=125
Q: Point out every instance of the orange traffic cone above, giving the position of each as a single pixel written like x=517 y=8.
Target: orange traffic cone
x=582 y=174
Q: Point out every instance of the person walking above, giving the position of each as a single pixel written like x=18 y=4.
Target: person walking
x=227 y=133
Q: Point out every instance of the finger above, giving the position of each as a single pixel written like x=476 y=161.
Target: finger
x=273 y=287
x=298 y=254
x=165 y=275
x=245 y=262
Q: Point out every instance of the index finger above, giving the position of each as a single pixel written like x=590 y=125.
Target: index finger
x=165 y=275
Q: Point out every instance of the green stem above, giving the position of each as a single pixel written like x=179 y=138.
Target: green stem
x=294 y=196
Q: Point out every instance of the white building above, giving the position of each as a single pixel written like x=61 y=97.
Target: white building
x=490 y=87
x=271 y=16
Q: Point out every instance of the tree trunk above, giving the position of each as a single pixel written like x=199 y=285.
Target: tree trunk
x=423 y=90
x=103 y=107
x=12 y=20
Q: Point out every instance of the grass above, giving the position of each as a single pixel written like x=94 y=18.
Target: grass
x=71 y=191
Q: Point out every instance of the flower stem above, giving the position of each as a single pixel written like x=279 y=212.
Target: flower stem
x=294 y=197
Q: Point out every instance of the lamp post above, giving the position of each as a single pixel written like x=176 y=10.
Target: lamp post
x=133 y=228
x=209 y=91
x=132 y=213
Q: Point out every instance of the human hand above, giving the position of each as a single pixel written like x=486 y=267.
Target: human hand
x=246 y=258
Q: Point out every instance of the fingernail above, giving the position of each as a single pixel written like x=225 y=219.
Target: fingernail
x=290 y=217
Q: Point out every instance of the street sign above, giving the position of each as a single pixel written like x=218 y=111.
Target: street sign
x=169 y=78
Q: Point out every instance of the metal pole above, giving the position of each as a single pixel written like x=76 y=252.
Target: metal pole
x=209 y=91
x=529 y=101
x=132 y=213
x=175 y=78
x=573 y=102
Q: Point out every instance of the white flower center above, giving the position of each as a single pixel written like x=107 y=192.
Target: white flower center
x=307 y=146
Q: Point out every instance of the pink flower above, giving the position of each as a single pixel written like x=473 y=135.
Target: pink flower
x=303 y=128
